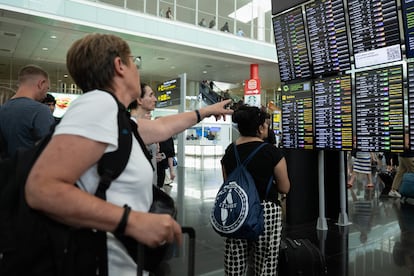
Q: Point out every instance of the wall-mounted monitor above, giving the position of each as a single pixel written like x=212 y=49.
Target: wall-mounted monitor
x=408 y=15
x=380 y=109
x=291 y=47
x=328 y=37
x=297 y=116
x=168 y=93
x=333 y=113
x=375 y=32
x=63 y=101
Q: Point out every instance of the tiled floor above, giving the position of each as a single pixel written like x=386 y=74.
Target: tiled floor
x=366 y=247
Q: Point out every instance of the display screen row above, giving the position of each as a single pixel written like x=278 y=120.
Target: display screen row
x=313 y=40
x=328 y=113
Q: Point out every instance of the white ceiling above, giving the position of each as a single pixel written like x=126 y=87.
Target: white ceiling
x=23 y=37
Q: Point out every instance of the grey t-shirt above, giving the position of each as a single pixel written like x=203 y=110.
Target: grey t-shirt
x=24 y=121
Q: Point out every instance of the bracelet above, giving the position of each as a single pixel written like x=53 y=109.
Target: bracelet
x=198 y=115
x=120 y=229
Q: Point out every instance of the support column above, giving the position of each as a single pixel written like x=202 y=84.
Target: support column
x=254 y=71
x=260 y=22
x=322 y=224
x=181 y=153
x=343 y=215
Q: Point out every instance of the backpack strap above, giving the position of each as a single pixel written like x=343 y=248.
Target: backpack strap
x=249 y=157
x=112 y=164
x=247 y=160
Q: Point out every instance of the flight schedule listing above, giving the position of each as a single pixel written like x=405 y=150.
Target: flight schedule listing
x=328 y=37
x=411 y=103
x=291 y=46
x=297 y=118
x=408 y=20
x=374 y=31
x=333 y=113
x=380 y=109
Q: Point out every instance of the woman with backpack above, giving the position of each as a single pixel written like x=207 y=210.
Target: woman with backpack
x=267 y=163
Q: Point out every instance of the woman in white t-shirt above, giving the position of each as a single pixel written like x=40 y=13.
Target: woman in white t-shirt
x=89 y=129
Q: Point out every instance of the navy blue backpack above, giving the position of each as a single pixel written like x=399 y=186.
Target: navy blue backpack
x=237 y=211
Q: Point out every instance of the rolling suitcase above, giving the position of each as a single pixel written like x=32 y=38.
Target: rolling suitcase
x=191 y=253
x=300 y=257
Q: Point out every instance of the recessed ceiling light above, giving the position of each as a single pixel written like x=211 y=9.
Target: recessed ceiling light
x=53 y=36
x=161 y=58
x=204 y=72
x=45 y=48
x=65 y=75
x=172 y=67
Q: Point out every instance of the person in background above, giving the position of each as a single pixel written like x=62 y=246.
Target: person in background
x=362 y=165
x=24 y=120
x=212 y=23
x=225 y=27
x=165 y=161
x=271 y=137
x=259 y=256
x=406 y=164
x=64 y=178
x=50 y=101
x=202 y=23
x=168 y=13
x=141 y=109
x=240 y=32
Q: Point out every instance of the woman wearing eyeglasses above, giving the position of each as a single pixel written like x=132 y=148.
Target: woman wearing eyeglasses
x=102 y=66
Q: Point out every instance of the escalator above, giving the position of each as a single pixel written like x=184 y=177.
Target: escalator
x=210 y=96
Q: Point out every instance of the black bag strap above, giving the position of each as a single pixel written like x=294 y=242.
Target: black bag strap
x=247 y=160
x=249 y=157
x=112 y=164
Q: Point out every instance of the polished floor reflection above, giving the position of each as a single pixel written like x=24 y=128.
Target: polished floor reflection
x=380 y=240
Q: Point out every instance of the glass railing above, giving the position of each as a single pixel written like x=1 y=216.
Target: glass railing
x=192 y=12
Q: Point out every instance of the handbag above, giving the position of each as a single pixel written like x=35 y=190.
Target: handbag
x=150 y=258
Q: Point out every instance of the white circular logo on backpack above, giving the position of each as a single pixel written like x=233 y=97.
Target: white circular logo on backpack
x=230 y=209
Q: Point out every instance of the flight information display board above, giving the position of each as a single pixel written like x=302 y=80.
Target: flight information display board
x=408 y=16
x=333 y=113
x=411 y=103
x=297 y=118
x=374 y=31
x=328 y=37
x=380 y=109
x=291 y=46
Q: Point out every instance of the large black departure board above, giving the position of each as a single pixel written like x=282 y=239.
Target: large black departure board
x=333 y=113
x=297 y=118
x=328 y=37
x=374 y=31
x=291 y=46
x=380 y=109
x=408 y=21
x=411 y=104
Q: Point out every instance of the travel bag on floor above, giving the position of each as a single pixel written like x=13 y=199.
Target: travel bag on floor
x=300 y=257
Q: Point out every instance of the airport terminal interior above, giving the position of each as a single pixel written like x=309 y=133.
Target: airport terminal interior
x=360 y=230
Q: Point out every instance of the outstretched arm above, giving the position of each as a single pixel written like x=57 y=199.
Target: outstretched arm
x=167 y=126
